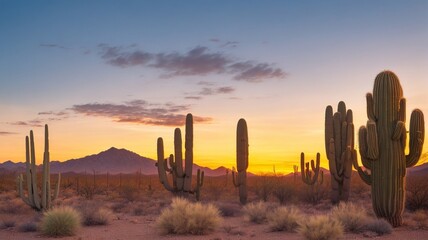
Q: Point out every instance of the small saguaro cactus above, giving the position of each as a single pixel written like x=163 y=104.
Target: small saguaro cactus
x=181 y=179
x=241 y=160
x=382 y=145
x=339 y=144
x=33 y=198
x=307 y=176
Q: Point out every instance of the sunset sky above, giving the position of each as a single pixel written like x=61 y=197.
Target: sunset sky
x=123 y=73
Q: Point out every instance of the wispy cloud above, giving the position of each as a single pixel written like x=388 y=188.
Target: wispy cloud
x=52 y=45
x=7 y=133
x=139 y=111
x=209 y=90
x=199 y=61
x=31 y=123
x=255 y=72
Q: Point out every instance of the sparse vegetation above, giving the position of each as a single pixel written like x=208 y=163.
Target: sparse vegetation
x=62 y=221
x=7 y=223
x=284 y=219
x=256 y=212
x=320 y=228
x=97 y=216
x=352 y=217
x=379 y=226
x=184 y=217
x=28 y=227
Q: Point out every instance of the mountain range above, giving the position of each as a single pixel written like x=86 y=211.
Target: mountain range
x=113 y=161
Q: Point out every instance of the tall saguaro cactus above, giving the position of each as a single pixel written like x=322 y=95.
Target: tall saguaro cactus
x=33 y=198
x=181 y=179
x=382 y=145
x=241 y=160
x=339 y=144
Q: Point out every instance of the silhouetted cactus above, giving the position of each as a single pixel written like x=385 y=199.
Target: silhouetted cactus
x=34 y=199
x=382 y=146
x=339 y=144
x=241 y=160
x=181 y=180
x=307 y=173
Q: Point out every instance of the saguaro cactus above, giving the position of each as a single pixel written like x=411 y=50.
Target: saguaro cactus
x=181 y=179
x=241 y=160
x=382 y=146
x=33 y=197
x=339 y=144
x=307 y=173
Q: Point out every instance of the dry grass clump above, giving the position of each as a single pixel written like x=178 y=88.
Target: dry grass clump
x=320 y=227
x=100 y=216
x=62 y=221
x=256 y=212
x=417 y=220
x=379 y=226
x=285 y=219
x=229 y=209
x=184 y=217
x=352 y=217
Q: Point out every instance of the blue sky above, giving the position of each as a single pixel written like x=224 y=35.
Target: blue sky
x=276 y=63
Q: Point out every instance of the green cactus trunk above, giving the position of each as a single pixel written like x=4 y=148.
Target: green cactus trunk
x=33 y=196
x=181 y=179
x=382 y=146
x=241 y=160
x=339 y=144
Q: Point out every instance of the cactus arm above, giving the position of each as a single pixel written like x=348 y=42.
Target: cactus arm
x=402 y=111
x=307 y=174
x=20 y=180
x=45 y=177
x=34 y=173
x=372 y=141
x=58 y=184
x=199 y=184
x=337 y=139
x=417 y=137
x=235 y=180
x=370 y=107
x=178 y=158
x=188 y=153
x=363 y=174
x=328 y=129
x=173 y=171
x=29 y=173
x=332 y=162
x=161 y=166
x=362 y=140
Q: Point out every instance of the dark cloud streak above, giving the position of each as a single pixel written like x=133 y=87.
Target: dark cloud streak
x=140 y=112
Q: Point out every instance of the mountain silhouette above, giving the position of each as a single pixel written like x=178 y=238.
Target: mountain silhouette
x=113 y=161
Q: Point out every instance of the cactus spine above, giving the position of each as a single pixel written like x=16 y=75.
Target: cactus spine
x=181 y=179
x=307 y=173
x=241 y=160
x=33 y=196
x=339 y=144
x=382 y=146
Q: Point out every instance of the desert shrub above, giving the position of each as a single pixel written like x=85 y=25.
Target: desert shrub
x=184 y=217
x=256 y=212
x=28 y=227
x=283 y=192
x=320 y=228
x=416 y=194
x=284 y=219
x=229 y=210
x=379 y=226
x=264 y=187
x=97 y=216
x=14 y=206
x=129 y=193
x=352 y=217
x=62 y=221
x=7 y=223
x=119 y=207
x=417 y=220
x=314 y=194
